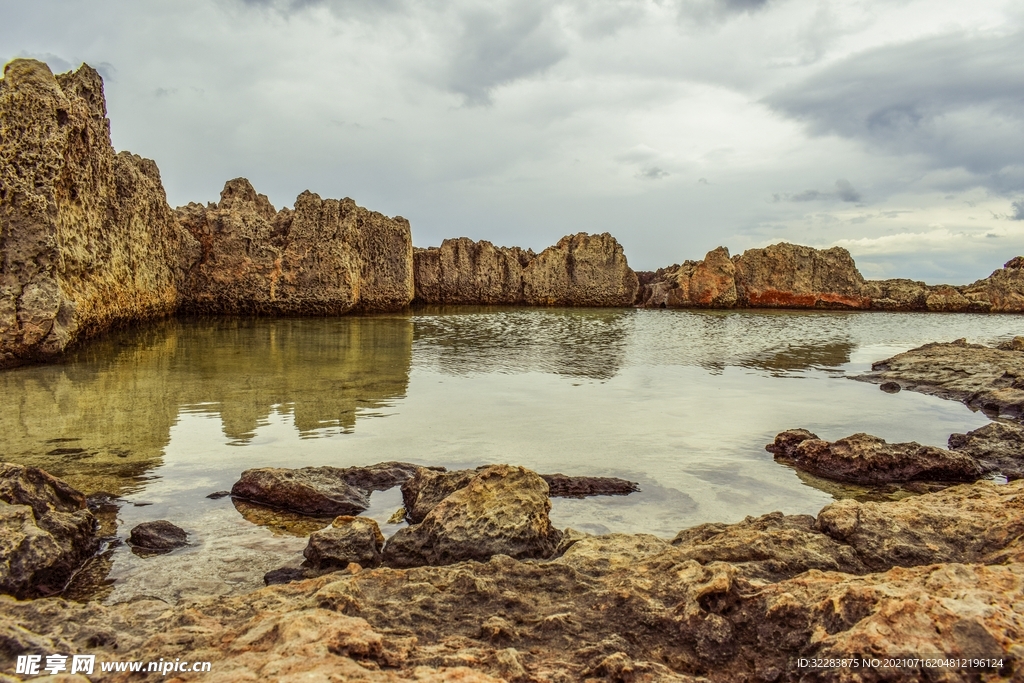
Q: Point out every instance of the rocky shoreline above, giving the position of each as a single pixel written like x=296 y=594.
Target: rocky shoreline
x=89 y=243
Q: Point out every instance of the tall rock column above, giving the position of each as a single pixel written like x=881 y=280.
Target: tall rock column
x=87 y=239
x=462 y=271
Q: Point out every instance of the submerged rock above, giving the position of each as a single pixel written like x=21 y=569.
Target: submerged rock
x=564 y=486
x=983 y=378
x=324 y=257
x=159 y=536
x=581 y=270
x=866 y=459
x=998 y=447
x=502 y=510
x=88 y=239
x=462 y=271
x=46 y=532
x=347 y=540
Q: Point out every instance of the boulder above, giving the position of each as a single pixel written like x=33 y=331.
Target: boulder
x=347 y=540
x=964 y=523
x=983 y=378
x=321 y=491
x=315 y=491
x=502 y=510
x=770 y=548
x=87 y=237
x=158 y=536
x=1002 y=291
x=462 y=271
x=897 y=294
x=581 y=270
x=324 y=257
x=865 y=459
x=998 y=447
x=46 y=532
x=792 y=276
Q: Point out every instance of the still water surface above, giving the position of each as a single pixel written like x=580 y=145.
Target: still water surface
x=682 y=402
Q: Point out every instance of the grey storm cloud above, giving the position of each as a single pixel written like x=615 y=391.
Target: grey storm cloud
x=957 y=100
x=1018 y=210
x=844 y=192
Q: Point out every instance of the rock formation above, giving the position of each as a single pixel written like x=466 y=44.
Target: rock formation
x=87 y=240
x=325 y=257
x=346 y=540
x=998 y=447
x=866 y=459
x=1002 y=291
x=792 y=276
x=581 y=270
x=46 y=532
x=502 y=510
x=157 y=537
x=983 y=378
x=462 y=271
x=710 y=283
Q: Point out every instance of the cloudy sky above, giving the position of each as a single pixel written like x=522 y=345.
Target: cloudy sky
x=894 y=128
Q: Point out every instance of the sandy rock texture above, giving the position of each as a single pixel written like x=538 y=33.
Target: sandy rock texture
x=324 y=257
x=998 y=447
x=462 y=271
x=710 y=283
x=501 y=510
x=739 y=602
x=87 y=239
x=346 y=540
x=866 y=459
x=46 y=532
x=1002 y=291
x=984 y=378
x=581 y=270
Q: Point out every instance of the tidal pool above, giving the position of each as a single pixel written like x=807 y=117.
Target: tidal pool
x=681 y=401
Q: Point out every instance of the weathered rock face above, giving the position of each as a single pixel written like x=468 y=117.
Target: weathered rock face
x=710 y=283
x=325 y=257
x=502 y=510
x=983 y=378
x=46 y=532
x=998 y=447
x=964 y=523
x=772 y=547
x=1002 y=291
x=897 y=294
x=866 y=459
x=347 y=540
x=792 y=276
x=462 y=271
x=321 y=491
x=316 y=491
x=87 y=239
x=581 y=270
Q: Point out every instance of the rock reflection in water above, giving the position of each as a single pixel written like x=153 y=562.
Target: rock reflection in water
x=465 y=340
x=102 y=419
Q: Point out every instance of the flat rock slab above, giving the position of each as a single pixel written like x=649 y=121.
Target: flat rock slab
x=983 y=378
x=320 y=491
x=866 y=459
x=563 y=486
x=160 y=535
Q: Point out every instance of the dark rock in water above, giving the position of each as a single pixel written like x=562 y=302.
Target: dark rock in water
x=502 y=511
x=772 y=547
x=160 y=535
x=311 y=490
x=218 y=494
x=288 y=575
x=320 y=491
x=986 y=379
x=347 y=540
x=967 y=523
x=866 y=459
x=998 y=447
x=563 y=486
x=46 y=532
x=890 y=387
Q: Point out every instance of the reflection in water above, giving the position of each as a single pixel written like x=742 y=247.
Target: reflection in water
x=102 y=419
x=583 y=343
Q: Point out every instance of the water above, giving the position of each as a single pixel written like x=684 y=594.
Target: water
x=682 y=402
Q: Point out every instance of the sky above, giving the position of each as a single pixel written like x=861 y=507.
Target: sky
x=892 y=128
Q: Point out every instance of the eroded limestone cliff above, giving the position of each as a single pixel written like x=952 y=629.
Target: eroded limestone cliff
x=87 y=240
